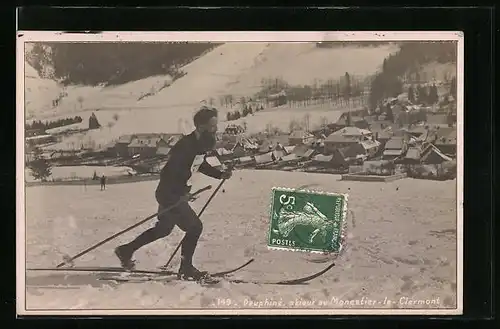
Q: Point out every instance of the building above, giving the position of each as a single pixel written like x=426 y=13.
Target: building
x=303 y=152
x=335 y=141
x=214 y=162
x=394 y=148
x=446 y=141
x=121 y=145
x=300 y=137
x=335 y=160
x=354 y=133
x=354 y=121
x=369 y=147
x=265 y=158
x=146 y=146
x=246 y=161
x=434 y=156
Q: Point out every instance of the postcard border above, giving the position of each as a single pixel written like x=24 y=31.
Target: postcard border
x=250 y=36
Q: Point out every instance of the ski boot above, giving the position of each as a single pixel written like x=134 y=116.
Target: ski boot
x=191 y=273
x=125 y=257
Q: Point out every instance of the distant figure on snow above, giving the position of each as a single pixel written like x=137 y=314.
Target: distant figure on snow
x=174 y=187
x=103 y=182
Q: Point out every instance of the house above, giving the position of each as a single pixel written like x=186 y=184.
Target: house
x=361 y=151
x=238 y=150
x=265 y=158
x=289 y=158
x=446 y=141
x=303 y=151
x=412 y=156
x=394 y=148
x=354 y=121
x=434 y=156
x=277 y=154
x=354 y=133
x=322 y=160
x=146 y=147
x=300 y=137
x=335 y=160
x=121 y=145
x=246 y=160
x=224 y=154
x=370 y=147
x=289 y=149
x=214 y=162
x=334 y=142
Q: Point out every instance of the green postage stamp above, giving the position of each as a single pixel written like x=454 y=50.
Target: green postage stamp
x=305 y=220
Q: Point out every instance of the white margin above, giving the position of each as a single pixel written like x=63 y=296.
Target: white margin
x=233 y=36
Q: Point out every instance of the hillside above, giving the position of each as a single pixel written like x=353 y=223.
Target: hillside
x=235 y=68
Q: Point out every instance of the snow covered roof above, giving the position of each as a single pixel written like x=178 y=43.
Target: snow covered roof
x=352 y=131
x=323 y=158
x=333 y=138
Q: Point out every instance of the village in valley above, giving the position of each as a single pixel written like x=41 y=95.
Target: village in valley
x=402 y=127
x=397 y=139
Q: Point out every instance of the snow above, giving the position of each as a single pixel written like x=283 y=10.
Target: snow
x=401 y=243
x=233 y=68
x=73 y=172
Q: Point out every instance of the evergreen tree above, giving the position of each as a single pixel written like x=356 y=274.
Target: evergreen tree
x=229 y=116
x=347 y=90
x=40 y=168
x=422 y=95
x=433 y=94
x=411 y=94
x=389 y=114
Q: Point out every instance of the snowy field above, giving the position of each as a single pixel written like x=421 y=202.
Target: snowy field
x=401 y=245
x=79 y=172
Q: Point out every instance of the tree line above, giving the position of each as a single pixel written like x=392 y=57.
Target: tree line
x=345 y=88
x=112 y=63
x=409 y=58
x=40 y=125
x=247 y=110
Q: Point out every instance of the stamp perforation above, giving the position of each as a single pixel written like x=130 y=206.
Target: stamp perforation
x=341 y=229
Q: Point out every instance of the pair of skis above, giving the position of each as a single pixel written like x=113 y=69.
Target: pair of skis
x=212 y=278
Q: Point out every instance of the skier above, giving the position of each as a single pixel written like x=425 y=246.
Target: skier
x=173 y=187
x=103 y=182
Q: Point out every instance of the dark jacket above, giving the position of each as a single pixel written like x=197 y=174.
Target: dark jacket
x=177 y=171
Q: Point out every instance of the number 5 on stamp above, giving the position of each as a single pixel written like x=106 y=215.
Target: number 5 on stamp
x=307 y=220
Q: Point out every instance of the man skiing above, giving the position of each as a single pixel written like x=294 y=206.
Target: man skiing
x=173 y=187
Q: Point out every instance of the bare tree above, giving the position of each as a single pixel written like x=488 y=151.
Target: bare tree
x=80 y=100
x=307 y=118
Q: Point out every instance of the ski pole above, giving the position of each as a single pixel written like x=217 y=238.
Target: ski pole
x=70 y=259
x=200 y=213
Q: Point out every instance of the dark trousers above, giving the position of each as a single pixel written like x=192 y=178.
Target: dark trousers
x=185 y=218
